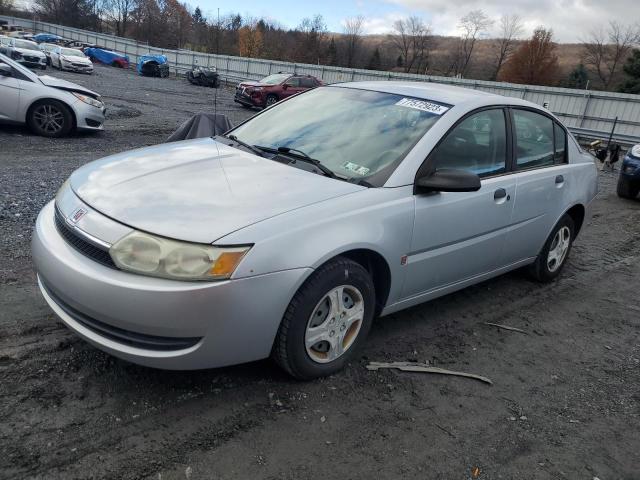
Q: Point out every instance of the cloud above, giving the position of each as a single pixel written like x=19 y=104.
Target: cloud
x=570 y=20
x=381 y=25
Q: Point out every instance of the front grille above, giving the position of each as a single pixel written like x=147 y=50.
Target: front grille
x=31 y=59
x=120 y=335
x=81 y=245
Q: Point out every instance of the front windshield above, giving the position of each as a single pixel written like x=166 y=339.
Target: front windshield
x=47 y=47
x=275 y=79
x=70 y=52
x=26 y=45
x=358 y=134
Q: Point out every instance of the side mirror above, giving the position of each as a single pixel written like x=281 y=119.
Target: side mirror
x=449 y=180
x=285 y=86
x=5 y=70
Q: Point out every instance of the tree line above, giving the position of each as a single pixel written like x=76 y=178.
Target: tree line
x=485 y=49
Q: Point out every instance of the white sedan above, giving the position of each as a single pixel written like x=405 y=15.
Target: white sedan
x=70 y=59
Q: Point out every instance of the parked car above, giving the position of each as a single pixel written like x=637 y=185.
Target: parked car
x=70 y=59
x=107 y=57
x=47 y=38
x=205 y=77
x=273 y=88
x=49 y=106
x=47 y=48
x=153 y=66
x=629 y=179
x=289 y=234
x=24 y=52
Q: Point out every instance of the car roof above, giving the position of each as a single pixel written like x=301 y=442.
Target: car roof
x=436 y=92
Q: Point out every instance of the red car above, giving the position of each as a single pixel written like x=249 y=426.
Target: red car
x=273 y=88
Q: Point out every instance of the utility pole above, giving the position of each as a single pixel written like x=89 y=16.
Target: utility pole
x=218 y=34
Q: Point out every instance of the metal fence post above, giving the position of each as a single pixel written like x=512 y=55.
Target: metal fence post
x=586 y=107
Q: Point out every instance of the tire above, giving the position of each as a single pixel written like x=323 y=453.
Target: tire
x=626 y=189
x=271 y=100
x=44 y=67
x=216 y=82
x=57 y=111
x=339 y=328
x=545 y=268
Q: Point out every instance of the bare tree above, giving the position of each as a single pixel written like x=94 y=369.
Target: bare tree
x=510 y=30
x=472 y=25
x=6 y=6
x=413 y=40
x=604 y=51
x=353 y=28
x=118 y=13
x=313 y=33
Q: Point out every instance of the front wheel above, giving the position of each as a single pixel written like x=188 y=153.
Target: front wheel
x=555 y=251
x=327 y=320
x=271 y=100
x=50 y=118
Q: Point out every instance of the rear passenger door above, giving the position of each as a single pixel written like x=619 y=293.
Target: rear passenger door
x=542 y=175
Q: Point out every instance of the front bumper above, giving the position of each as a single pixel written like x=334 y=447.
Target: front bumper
x=248 y=100
x=89 y=117
x=220 y=323
x=77 y=68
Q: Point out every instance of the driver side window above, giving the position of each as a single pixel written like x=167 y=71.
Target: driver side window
x=477 y=145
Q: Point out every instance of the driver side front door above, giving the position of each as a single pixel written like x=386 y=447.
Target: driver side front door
x=461 y=235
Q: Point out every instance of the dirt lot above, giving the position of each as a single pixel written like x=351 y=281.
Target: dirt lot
x=565 y=402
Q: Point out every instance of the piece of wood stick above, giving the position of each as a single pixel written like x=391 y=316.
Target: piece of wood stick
x=422 y=368
x=506 y=327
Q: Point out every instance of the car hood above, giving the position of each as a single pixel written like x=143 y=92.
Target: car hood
x=198 y=190
x=65 y=85
x=29 y=52
x=256 y=84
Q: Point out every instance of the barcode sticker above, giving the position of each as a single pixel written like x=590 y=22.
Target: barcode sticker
x=423 y=105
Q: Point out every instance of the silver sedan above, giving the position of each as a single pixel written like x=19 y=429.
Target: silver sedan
x=289 y=234
x=49 y=106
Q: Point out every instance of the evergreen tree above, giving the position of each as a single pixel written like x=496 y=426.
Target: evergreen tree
x=332 y=53
x=632 y=70
x=376 y=62
x=578 y=78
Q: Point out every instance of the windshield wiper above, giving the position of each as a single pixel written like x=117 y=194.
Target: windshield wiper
x=300 y=155
x=254 y=149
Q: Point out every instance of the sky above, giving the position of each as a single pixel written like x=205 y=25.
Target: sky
x=571 y=20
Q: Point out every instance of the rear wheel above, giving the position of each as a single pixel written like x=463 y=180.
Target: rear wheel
x=555 y=252
x=327 y=320
x=627 y=189
x=50 y=118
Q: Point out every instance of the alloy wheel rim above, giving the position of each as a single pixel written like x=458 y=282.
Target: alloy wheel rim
x=271 y=101
x=559 y=248
x=334 y=324
x=49 y=118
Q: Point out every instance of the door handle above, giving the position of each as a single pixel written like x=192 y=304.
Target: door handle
x=499 y=194
x=559 y=179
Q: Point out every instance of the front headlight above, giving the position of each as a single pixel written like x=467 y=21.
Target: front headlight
x=88 y=100
x=147 y=254
x=635 y=151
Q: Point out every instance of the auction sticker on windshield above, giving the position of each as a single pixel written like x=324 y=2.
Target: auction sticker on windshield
x=423 y=105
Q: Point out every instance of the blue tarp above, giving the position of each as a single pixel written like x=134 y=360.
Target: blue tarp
x=105 y=56
x=46 y=37
x=159 y=59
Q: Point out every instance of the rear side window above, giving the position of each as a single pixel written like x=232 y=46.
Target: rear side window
x=534 y=139
x=560 y=143
x=293 y=82
x=478 y=145
x=307 y=82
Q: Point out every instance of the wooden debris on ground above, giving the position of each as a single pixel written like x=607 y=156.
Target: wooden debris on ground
x=506 y=327
x=424 y=368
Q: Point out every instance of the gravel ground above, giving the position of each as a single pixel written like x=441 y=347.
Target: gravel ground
x=565 y=402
